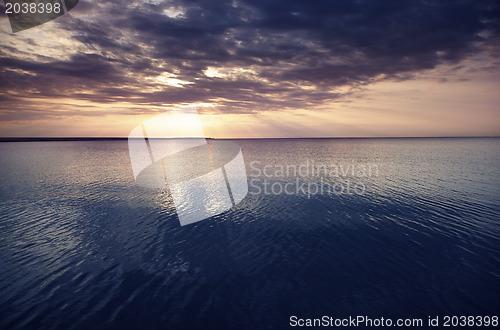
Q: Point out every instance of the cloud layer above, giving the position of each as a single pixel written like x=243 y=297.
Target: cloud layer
x=243 y=56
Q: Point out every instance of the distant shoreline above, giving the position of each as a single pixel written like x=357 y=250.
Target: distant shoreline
x=62 y=139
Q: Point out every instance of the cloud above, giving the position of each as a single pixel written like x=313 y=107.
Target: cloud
x=268 y=54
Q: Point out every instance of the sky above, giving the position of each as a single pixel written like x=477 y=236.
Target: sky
x=255 y=69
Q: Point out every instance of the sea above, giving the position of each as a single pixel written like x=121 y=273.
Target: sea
x=330 y=229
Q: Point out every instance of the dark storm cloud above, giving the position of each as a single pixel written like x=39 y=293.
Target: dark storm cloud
x=285 y=43
x=380 y=36
x=83 y=66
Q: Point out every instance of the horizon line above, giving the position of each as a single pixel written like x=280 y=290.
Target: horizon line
x=95 y=138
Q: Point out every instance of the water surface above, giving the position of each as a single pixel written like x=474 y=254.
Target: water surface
x=82 y=246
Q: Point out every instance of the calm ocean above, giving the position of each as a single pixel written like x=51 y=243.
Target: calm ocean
x=405 y=228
